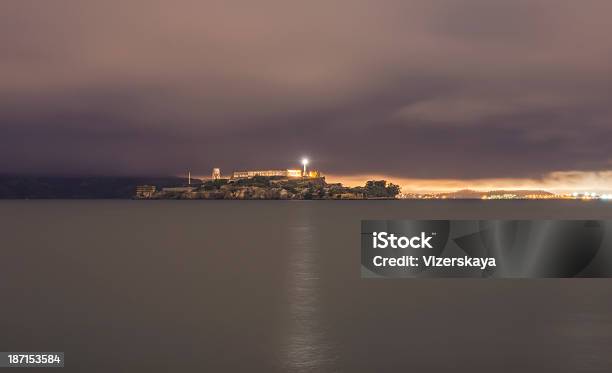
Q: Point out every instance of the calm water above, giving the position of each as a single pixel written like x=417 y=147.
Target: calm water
x=264 y=286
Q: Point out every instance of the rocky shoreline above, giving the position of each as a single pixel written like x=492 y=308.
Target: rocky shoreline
x=270 y=188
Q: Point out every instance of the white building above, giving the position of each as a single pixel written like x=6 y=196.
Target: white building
x=267 y=173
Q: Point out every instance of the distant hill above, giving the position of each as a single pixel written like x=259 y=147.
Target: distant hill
x=520 y=193
x=473 y=194
x=464 y=193
x=46 y=187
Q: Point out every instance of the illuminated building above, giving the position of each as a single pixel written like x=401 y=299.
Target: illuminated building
x=145 y=191
x=216 y=173
x=266 y=173
x=288 y=173
x=294 y=173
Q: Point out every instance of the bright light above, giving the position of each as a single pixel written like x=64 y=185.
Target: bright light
x=304 y=162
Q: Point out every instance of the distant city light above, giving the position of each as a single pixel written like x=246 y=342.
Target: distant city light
x=304 y=162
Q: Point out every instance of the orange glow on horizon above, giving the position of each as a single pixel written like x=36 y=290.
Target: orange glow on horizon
x=560 y=182
x=555 y=182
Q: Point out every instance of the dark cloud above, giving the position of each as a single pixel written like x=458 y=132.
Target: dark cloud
x=412 y=89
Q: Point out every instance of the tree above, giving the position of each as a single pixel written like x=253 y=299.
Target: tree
x=393 y=190
x=380 y=189
x=376 y=188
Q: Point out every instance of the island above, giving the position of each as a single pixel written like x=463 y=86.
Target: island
x=271 y=188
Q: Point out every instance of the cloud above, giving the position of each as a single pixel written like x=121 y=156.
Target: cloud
x=465 y=109
x=414 y=89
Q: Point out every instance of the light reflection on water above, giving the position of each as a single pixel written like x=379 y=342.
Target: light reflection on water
x=307 y=347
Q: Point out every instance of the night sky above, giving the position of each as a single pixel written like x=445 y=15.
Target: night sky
x=430 y=94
